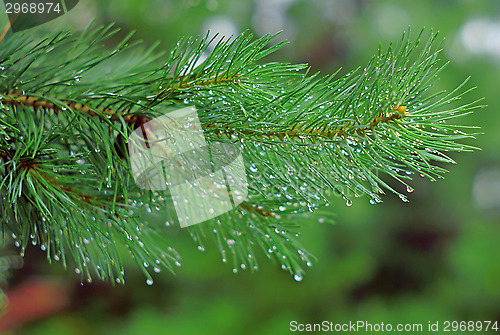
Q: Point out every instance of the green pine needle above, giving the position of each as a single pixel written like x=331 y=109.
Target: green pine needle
x=68 y=104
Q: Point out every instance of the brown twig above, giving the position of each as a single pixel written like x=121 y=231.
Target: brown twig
x=312 y=134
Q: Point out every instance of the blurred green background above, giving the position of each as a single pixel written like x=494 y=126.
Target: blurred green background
x=433 y=259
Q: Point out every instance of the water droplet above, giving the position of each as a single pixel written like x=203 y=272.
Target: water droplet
x=409 y=189
x=149 y=282
x=297 y=277
x=348 y=203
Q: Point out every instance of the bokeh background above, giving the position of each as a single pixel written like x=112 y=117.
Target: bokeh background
x=433 y=259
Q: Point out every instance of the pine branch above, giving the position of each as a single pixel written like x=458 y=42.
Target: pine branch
x=68 y=105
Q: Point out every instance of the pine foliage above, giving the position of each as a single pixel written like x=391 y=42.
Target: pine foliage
x=68 y=104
